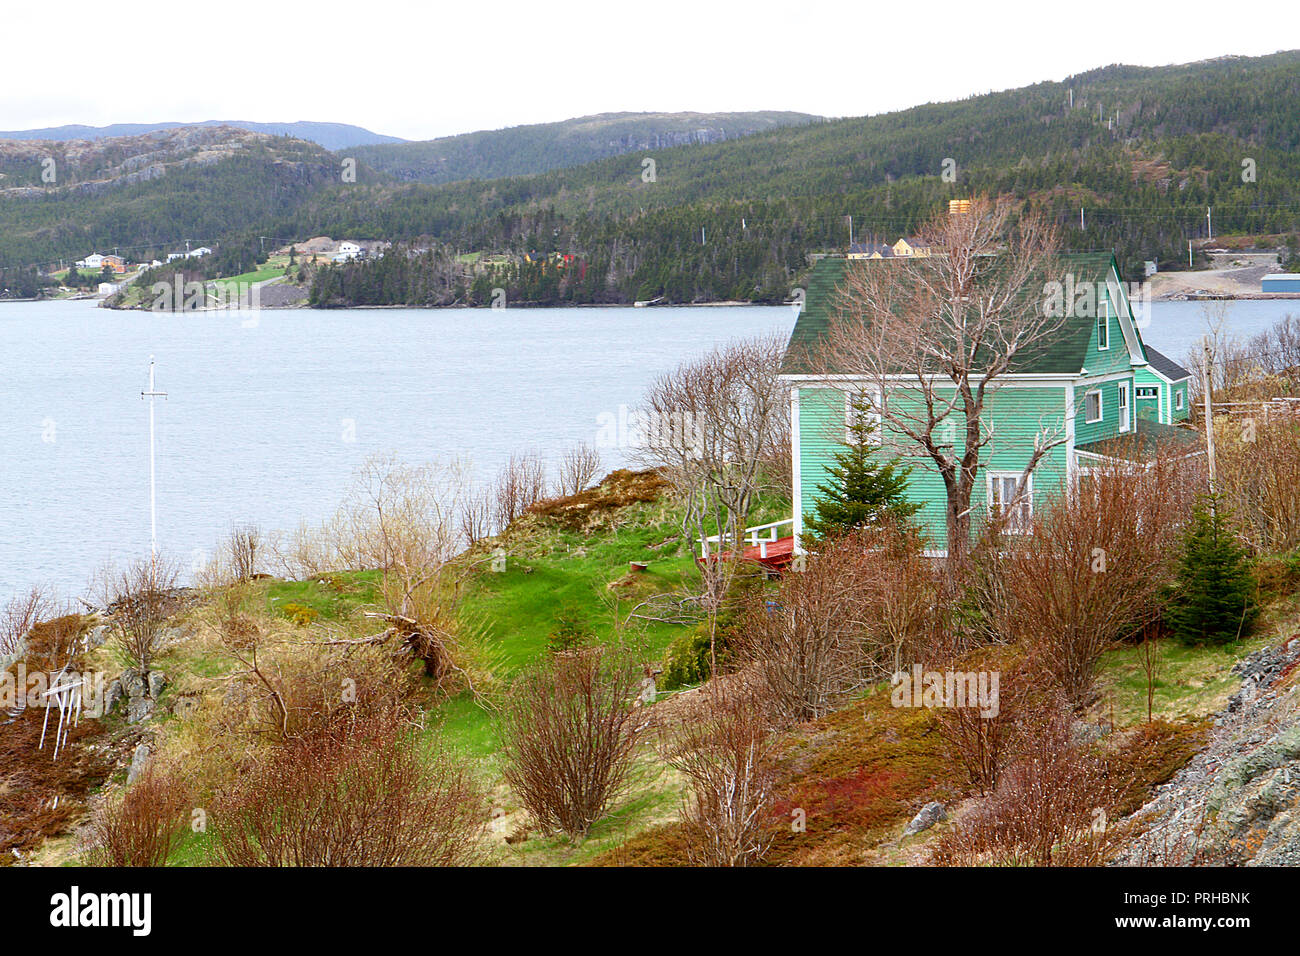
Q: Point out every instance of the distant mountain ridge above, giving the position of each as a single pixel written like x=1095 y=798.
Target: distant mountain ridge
x=330 y=135
x=542 y=147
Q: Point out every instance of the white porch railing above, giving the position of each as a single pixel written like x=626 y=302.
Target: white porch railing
x=751 y=536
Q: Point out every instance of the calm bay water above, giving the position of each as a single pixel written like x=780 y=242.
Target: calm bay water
x=267 y=422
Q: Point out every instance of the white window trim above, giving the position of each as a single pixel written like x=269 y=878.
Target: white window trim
x=873 y=396
x=1101 y=406
x=1028 y=501
x=1124 y=407
x=1103 y=325
x=1178 y=400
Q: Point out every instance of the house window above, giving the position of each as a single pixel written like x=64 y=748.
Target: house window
x=1092 y=406
x=1147 y=391
x=1004 y=504
x=1123 y=406
x=859 y=405
x=1178 y=401
x=1103 y=329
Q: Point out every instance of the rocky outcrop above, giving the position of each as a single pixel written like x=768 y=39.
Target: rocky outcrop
x=1238 y=801
x=139 y=689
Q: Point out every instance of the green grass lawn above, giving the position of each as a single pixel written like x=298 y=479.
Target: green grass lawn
x=1190 y=682
x=262 y=274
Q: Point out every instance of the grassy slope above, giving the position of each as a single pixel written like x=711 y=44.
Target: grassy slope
x=860 y=774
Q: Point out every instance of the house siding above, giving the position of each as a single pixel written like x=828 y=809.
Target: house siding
x=1015 y=413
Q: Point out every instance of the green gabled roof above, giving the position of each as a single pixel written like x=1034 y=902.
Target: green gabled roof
x=1064 y=353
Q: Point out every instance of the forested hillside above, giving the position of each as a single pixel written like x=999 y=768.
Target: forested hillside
x=522 y=150
x=1143 y=152
x=145 y=195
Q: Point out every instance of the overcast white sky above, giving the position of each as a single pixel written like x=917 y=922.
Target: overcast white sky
x=421 y=70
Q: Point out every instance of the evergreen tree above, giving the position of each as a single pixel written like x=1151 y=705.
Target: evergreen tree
x=1214 y=597
x=862 y=490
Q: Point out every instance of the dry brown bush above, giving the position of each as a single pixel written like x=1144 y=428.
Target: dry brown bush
x=1049 y=808
x=361 y=790
x=1258 y=474
x=1094 y=567
x=727 y=754
x=144 y=826
x=139 y=600
x=865 y=604
x=242 y=549
x=980 y=744
x=475 y=516
x=569 y=730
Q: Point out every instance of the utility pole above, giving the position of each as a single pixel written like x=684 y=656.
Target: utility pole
x=1209 y=410
x=850 y=230
x=1082 y=227
x=1209 y=222
x=153 y=507
x=1190 y=264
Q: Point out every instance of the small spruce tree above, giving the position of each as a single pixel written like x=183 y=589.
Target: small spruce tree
x=862 y=490
x=1214 y=596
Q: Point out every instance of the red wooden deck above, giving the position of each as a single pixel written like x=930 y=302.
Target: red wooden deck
x=778 y=557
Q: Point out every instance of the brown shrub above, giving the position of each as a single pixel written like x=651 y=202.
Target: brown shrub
x=1094 y=568
x=144 y=826
x=520 y=484
x=865 y=604
x=361 y=790
x=727 y=755
x=579 y=467
x=977 y=743
x=568 y=735
x=1049 y=808
x=139 y=599
x=1258 y=474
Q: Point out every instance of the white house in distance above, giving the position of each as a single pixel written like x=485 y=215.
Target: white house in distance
x=93 y=261
x=347 y=251
x=198 y=253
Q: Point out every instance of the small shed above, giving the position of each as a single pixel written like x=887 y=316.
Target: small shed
x=1281 y=282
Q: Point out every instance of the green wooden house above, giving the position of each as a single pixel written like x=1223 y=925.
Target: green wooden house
x=1161 y=389
x=1079 y=388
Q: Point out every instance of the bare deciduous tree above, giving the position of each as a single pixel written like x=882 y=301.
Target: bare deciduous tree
x=20 y=614
x=579 y=467
x=711 y=426
x=139 y=599
x=933 y=338
x=520 y=484
x=475 y=515
x=243 y=546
